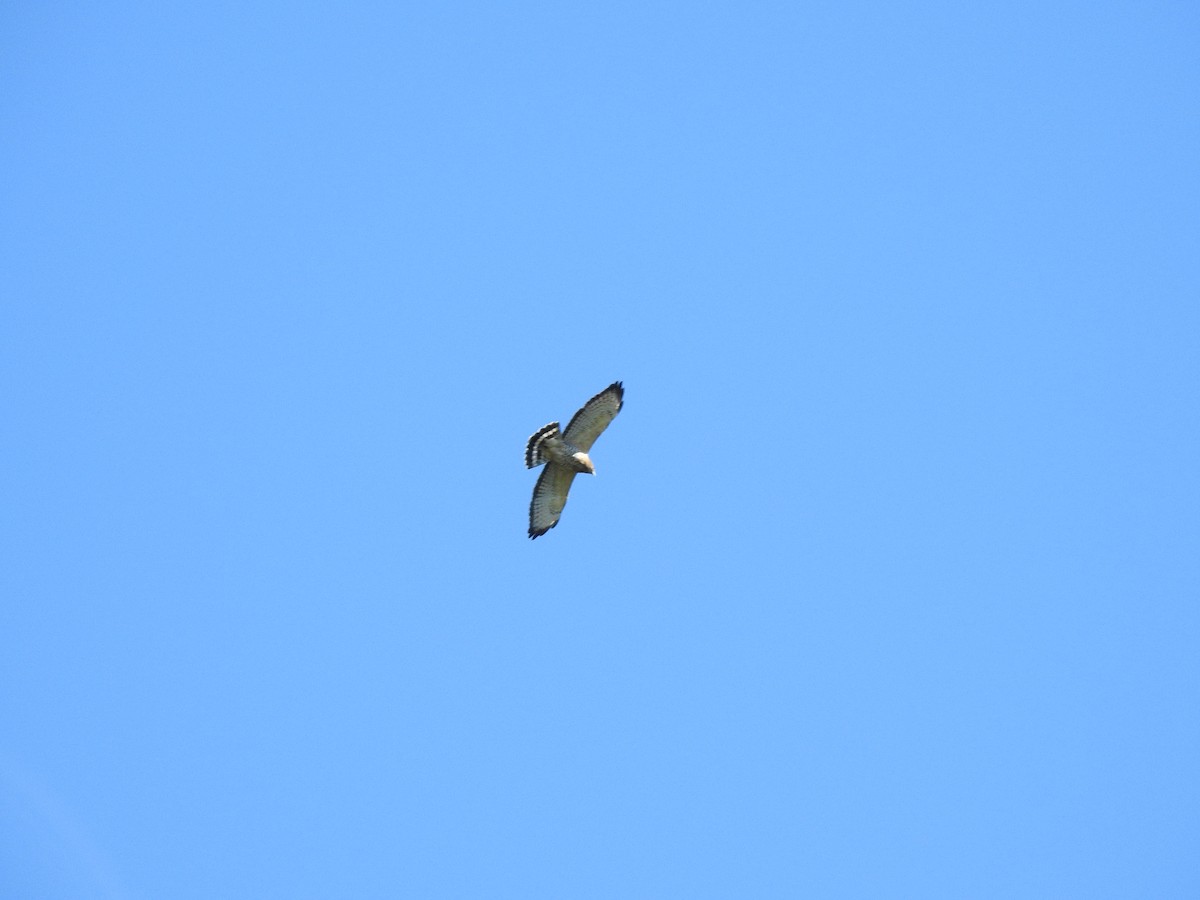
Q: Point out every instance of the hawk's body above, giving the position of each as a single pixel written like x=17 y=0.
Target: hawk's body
x=565 y=454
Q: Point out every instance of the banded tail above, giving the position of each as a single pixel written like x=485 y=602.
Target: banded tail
x=533 y=450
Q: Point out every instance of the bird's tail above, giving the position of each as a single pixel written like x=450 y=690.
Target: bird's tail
x=533 y=450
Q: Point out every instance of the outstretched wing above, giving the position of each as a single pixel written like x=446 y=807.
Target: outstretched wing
x=585 y=426
x=549 y=498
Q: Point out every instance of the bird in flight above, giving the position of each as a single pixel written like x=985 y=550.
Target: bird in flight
x=565 y=454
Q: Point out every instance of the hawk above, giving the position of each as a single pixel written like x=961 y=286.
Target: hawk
x=565 y=455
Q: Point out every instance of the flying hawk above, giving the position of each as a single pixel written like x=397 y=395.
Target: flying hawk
x=566 y=454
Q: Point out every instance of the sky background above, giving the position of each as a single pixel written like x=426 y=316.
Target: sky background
x=889 y=581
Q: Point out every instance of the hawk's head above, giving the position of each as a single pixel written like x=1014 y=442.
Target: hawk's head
x=583 y=463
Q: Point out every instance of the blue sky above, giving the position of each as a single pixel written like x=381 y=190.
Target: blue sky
x=888 y=581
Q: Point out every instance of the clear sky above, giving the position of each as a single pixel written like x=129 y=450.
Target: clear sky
x=888 y=584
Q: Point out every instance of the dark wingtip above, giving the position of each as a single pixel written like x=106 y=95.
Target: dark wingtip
x=619 y=387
